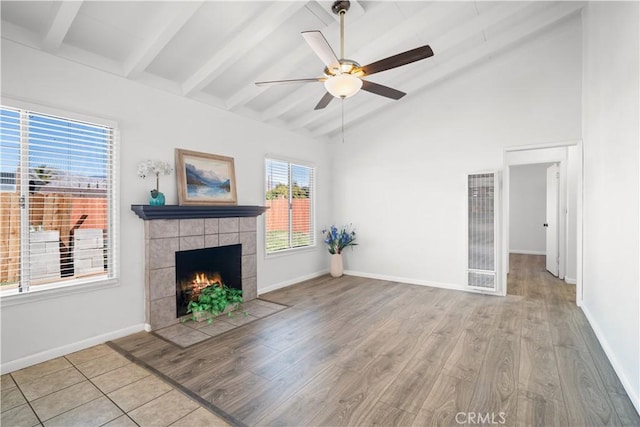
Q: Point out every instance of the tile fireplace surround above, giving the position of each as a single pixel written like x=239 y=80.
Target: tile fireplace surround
x=168 y=229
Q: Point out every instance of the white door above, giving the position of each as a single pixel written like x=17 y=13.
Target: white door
x=552 y=219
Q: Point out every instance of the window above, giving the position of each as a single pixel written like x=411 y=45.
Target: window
x=289 y=196
x=57 y=204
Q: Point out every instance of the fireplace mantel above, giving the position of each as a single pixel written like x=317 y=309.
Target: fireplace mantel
x=147 y=212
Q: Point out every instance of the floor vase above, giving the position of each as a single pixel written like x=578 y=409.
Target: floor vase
x=336 y=268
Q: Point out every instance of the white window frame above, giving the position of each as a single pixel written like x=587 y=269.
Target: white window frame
x=55 y=289
x=314 y=240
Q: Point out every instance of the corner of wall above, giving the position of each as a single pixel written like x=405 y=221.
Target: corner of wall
x=617 y=367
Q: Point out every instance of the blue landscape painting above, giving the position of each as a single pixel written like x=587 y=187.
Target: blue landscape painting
x=207 y=179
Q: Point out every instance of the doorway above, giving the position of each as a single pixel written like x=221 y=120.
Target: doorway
x=534 y=212
x=567 y=158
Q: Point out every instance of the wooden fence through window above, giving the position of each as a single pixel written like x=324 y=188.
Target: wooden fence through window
x=59 y=212
x=277 y=216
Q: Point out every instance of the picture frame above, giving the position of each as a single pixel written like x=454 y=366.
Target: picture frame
x=205 y=179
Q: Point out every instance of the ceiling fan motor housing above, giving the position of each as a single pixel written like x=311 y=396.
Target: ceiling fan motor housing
x=340 y=6
x=346 y=66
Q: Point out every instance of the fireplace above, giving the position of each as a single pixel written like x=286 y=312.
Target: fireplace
x=170 y=229
x=198 y=268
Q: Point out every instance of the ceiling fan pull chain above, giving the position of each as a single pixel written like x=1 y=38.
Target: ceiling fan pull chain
x=342 y=105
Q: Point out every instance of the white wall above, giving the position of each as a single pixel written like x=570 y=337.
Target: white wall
x=403 y=181
x=152 y=124
x=611 y=191
x=528 y=202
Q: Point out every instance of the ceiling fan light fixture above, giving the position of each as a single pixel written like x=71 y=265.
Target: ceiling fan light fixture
x=343 y=85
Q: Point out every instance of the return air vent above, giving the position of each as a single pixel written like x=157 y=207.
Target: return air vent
x=482 y=208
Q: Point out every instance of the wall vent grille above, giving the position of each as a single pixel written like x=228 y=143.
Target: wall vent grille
x=481 y=199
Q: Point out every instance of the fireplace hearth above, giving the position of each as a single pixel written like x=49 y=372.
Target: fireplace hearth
x=198 y=268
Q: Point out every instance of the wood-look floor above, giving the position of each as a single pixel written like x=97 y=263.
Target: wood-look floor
x=355 y=351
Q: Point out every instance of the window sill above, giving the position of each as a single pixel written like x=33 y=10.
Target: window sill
x=36 y=294
x=292 y=251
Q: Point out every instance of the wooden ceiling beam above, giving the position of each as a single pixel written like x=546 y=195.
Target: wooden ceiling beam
x=170 y=20
x=250 y=91
x=276 y=14
x=294 y=57
x=62 y=15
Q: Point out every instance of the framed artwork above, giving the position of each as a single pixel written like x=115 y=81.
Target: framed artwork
x=205 y=179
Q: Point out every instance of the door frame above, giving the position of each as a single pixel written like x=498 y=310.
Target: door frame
x=545 y=153
x=552 y=222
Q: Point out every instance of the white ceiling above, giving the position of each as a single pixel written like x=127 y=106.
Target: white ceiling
x=213 y=51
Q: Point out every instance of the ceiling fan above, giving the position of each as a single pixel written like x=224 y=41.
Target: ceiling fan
x=343 y=78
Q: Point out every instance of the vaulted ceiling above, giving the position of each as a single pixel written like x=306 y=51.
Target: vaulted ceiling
x=214 y=51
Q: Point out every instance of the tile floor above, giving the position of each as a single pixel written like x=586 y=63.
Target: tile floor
x=96 y=387
x=191 y=332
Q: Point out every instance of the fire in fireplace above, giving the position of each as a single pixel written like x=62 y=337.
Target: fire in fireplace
x=199 y=281
x=196 y=269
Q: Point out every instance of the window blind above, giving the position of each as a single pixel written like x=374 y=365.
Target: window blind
x=289 y=196
x=58 y=201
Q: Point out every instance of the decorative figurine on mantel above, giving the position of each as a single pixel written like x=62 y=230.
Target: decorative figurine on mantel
x=155 y=167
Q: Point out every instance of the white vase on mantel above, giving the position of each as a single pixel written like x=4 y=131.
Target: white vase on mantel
x=336 y=268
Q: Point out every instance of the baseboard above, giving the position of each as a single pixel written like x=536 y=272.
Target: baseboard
x=34 y=359
x=526 y=252
x=570 y=280
x=407 y=280
x=633 y=394
x=291 y=282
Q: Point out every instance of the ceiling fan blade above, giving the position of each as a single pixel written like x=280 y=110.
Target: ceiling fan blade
x=326 y=99
x=321 y=47
x=280 y=82
x=398 y=60
x=382 y=90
